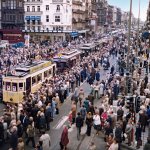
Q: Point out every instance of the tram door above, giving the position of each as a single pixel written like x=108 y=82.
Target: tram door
x=28 y=85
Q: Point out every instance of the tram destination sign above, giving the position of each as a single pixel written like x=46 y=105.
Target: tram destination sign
x=40 y=67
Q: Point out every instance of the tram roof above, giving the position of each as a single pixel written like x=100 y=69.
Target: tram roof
x=67 y=54
x=30 y=68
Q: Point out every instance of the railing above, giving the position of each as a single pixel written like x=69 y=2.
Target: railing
x=28 y=13
x=33 y=2
x=76 y=2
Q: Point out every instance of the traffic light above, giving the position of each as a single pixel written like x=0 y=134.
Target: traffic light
x=130 y=103
x=137 y=103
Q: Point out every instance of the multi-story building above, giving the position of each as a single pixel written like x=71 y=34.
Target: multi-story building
x=114 y=17
x=101 y=12
x=12 y=14
x=48 y=19
x=79 y=16
x=110 y=15
x=148 y=14
x=118 y=21
x=94 y=15
x=124 y=18
x=0 y=15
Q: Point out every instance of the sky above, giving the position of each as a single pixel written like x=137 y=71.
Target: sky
x=125 y=6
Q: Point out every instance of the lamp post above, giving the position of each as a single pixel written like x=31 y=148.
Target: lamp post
x=138 y=30
x=129 y=35
x=128 y=78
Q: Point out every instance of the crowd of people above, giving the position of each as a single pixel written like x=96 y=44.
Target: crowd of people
x=22 y=122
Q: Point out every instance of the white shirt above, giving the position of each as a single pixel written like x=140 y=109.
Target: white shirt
x=46 y=141
x=113 y=146
x=40 y=103
x=97 y=120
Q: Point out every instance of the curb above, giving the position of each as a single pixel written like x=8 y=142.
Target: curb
x=128 y=147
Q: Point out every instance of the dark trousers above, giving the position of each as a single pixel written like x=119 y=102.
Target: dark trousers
x=143 y=127
x=47 y=125
x=73 y=120
x=88 y=131
x=32 y=140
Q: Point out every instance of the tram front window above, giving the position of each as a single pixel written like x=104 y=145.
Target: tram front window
x=8 y=86
x=45 y=74
x=39 y=77
x=20 y=86
x=14 y=87
x=33 y=80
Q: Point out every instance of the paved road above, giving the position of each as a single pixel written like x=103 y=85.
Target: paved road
x=62 y=118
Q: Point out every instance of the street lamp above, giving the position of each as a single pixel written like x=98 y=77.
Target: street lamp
x=129 y=35
x=128 y=53
x=138 y=31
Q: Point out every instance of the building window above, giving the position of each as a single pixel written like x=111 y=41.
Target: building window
x=28 y=22
x=33 y=22
x=33 y=8
x=58 y=8
x=47 y=7
x=11 y=4
x=3 y=4
x=38 y=22
x=28 y=8
x=47 y=18
x=33 y=0
x=39 y=28
x=38 y=8
x=57 y=18
x=20 y=4
x=28 y=27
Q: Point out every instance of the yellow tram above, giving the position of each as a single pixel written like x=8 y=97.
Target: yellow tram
x=25 y=79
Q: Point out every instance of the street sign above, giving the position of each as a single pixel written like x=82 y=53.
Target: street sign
x=74 y=34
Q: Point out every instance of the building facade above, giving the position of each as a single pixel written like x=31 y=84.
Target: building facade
x=12 y=14
x=110 y=15
x=48 y=19
x=78 y=13
x=101 y=12
x=0 y=15
x=118 y=20
x=124 y=19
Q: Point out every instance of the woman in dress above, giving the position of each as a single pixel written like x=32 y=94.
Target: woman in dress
x=64 y=138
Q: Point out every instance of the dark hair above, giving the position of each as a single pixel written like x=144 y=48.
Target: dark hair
x=43 y=132
x=78 y=113
x=111 y=134
x=117 y=140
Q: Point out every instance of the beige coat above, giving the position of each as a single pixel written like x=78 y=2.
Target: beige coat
x=20 y=146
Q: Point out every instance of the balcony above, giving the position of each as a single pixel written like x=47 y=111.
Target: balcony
x=78 y=11
x=76 y=2
x=74 y=10
x=33 y=2
x=36 y=13
x=74 y=20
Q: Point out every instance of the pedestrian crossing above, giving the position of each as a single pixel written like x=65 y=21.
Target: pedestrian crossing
x=61 y=122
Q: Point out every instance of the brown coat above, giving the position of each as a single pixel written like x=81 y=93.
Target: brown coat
x=73 y=109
